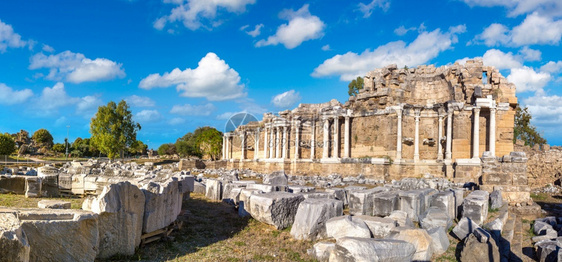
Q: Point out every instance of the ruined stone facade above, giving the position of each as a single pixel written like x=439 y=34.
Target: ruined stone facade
x=403 y=123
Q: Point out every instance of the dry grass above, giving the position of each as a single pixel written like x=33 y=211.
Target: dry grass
x=214 y=232
x=13 y=200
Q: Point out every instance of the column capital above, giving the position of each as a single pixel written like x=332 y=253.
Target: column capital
x=476 y=109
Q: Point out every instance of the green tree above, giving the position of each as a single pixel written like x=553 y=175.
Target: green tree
x=138 y=148
x=354 y=86
x=187 y=146
x=113 y=129
x=59 y=148
x=210 y=143
x=7 y=144
x=524 y=130
x=167 y=149
x=43 y=138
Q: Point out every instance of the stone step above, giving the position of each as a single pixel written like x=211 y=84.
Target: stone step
x=517 y=242
x=506 y=240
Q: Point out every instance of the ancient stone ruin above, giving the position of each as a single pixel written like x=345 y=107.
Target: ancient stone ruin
x=127 y=204
x=403 y=123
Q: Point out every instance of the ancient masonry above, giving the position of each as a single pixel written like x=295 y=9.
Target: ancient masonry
x=453 y=121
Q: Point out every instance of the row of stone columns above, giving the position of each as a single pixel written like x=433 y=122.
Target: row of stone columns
x=448 y=146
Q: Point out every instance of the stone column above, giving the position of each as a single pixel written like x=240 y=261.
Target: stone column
x=227 y=147
x=243 y=146
x=284 y=143
x=440 y=134
x=257 y=144
x=346 y=145
x=297 y=140
x=336 y=137
x=326 y=137
x=271 y=144
x=399 y=134
x=265 y=142
x=313 y=139
x=448 y=148
x=223 y=146
x=492 y=139
x=277 y=143
x=417 y=136
x=476 y=133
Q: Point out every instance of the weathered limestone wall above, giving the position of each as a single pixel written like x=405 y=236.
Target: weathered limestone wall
x=544 y=166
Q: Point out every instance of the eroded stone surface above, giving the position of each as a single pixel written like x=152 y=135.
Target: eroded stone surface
x=14 y=245
x=275 y=208
x=311 y=217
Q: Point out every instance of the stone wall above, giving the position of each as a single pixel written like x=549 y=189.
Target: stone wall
x=544 y=166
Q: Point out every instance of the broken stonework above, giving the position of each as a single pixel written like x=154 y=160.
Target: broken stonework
x=54 y=204
x=347 y=226
x=121 y=209
x=412 y=202
x=464 y=227
x=475 y=206
x=214 y=189
x=440 y=240
x=417 y=237
x=276 y=208
x=60 y=234
x=446 y=202
x=311 y=217
x=384 y=203
x=366 y=249
x=380 y=227
x=162 y=204
x=476 y=251
x=14 y=245
x=435 y=217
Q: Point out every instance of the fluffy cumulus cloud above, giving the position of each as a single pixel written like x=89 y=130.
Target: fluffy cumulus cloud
x=176 y=121
x=200 y=13
x=140 y=101
x=193 y=110
x=367 y=9
x=9 y=96
x=501 y=60
x=530 y=54
x=527 y=79
x=536 y=29
x=88 y=105
x=552 y=67
x=147 y=116
x=76 y=68
x=425 y=47
x=286 y=99
x=212 y=79
x=52 y=98
x=302 y=26
x=8 y=38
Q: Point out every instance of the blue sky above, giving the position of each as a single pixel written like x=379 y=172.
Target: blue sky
x=181 y=64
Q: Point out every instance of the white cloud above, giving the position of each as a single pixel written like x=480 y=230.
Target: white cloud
x=527 y=79
x=8 y=96
x=425 y=47
x=53 y=98
x=286 y=99
x=302 y=27
x=200 y=13
x=212 y=79
x=76 y=68
x=176 y=121
x=140 y=101
x=88 y=105
x=552 y=67
x=403 y=30
x=534 y=30
x=550 y=8
x=546 y=111
x=501 y=60
x=493 y=35
x=146 y=116
x=254 y=33
x=8 y=38
x=367 y=9
x=530 y=54
x=326 y=48
x=537 y=29
x=48 y=48
x=191 y=110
